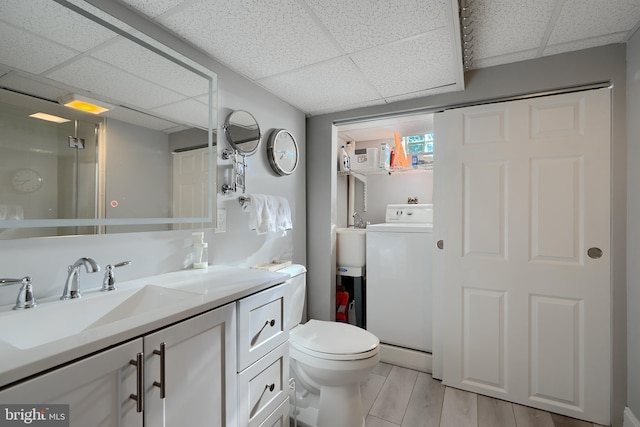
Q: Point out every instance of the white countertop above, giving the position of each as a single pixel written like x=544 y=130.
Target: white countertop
x=198 y=291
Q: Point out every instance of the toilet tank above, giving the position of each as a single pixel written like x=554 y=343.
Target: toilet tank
x=298 y=290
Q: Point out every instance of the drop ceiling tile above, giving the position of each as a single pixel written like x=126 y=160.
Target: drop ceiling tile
x=361 y=24
x=257 y=38
x=322 y=86
x=507 y=26
x=411 y=65
x=23 y=84
x=153 y=8
x=138 y=118
x=28 y=52
x=187 y=111
x=584 y=44
x=144 y=63
x=344 y=107
x=422 y=93
x=111 y=83
x=589 y=18
x=505 y=59
x=53 y=21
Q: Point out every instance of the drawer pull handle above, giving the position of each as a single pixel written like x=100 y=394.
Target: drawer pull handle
x=162 y=384
x=270 y=386
x=139 y=396
x=271 y=323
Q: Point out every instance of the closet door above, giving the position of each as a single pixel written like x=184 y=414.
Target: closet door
x=523 y=200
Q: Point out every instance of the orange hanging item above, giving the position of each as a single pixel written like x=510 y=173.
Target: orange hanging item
x=342 y=300
x=401 y=159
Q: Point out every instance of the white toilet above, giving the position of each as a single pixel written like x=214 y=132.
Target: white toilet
x=328 y=361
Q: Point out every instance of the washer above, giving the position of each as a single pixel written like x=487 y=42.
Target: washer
x=399 y=277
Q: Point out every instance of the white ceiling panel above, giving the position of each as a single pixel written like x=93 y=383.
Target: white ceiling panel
x=582 y=19
x=139 y=61
x=322 y=86
x=140 y=119
x=186 y=111
x=153 y=8
x=362 y=24
x=506 y=59
x=111 y=83
x=23 y=84
x=258 y=38
x=410 y=65
x=14 y=42
x=584 y=44
x=506 y=26
x=35 y=16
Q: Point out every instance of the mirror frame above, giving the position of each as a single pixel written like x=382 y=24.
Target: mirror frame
x=234 y=142
x=119 y=27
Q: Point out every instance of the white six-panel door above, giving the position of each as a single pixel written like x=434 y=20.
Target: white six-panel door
x=523 y=198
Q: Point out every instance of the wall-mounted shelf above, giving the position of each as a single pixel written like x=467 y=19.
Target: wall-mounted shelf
x=389 y=171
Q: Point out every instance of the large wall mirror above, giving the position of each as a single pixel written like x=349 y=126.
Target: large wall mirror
x=147 y=163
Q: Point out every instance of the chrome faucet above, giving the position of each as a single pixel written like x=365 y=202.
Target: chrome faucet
x=72 y=285
x=109 y=281
x=26 y=298
x=358 y=222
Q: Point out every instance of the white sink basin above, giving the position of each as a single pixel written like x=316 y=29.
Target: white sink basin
x=57 y=320
x=350 y=247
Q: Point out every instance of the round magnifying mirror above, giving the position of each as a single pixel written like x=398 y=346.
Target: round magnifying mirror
x=242 y=131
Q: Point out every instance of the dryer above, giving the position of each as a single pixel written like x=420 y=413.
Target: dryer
x=399 y=279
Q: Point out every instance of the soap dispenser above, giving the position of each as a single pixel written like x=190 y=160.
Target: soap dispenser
x=200 y=253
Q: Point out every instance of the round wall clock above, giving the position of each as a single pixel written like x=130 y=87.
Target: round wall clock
x=26 y=180
x=282 y=151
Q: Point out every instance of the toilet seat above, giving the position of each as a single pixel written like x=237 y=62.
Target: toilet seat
x=334 y=341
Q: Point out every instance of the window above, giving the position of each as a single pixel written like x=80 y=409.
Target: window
x=417 y=144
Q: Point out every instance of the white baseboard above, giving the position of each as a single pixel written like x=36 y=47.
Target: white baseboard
x=406 y=358
x=630 y=420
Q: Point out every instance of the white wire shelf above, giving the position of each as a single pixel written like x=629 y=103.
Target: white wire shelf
x=388 y=171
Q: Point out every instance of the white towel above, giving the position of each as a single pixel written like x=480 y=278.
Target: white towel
x=268 y=213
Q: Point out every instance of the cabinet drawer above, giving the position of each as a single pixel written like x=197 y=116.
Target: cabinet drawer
x=263 y=386
x=261 y=324
x=279 y=417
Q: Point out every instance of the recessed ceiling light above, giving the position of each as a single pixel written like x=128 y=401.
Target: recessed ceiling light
x=85 y=104
x=49 y=117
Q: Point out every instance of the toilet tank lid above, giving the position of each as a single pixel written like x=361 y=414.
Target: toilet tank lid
x=334 y=338
x=293 y=270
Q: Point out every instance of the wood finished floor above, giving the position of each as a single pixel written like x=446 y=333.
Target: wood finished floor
x=395 y=396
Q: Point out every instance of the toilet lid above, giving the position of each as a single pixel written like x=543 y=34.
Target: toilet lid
x=333 y=338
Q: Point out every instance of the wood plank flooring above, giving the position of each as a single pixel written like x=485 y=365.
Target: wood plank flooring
x=400 y=397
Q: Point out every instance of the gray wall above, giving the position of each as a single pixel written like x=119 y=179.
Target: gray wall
x=576 y=68
x=633 y=212
x=46 y=260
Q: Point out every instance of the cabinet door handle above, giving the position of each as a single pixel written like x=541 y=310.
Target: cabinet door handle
x=162 y=383
x=440 y=244
x=139 y=396
x=270 y=387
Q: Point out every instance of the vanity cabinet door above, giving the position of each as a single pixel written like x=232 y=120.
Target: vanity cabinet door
x=190 y=372
x=97 y=389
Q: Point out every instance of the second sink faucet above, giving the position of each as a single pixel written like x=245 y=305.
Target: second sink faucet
x=358 y=222
x=72 y=284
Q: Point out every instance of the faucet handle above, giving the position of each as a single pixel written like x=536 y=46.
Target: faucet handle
x=109 y=282
x=26 y=297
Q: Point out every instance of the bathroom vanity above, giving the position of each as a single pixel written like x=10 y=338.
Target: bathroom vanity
x=212 y=351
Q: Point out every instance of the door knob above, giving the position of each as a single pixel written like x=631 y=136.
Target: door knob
x=594 y=253
x=440 y=244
